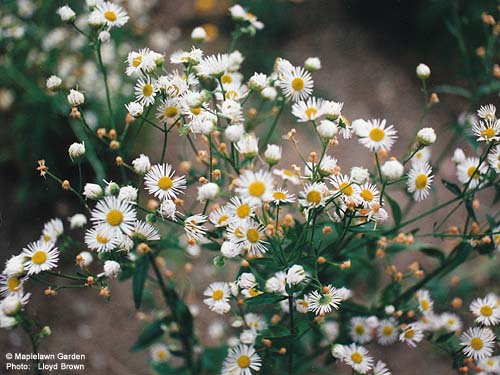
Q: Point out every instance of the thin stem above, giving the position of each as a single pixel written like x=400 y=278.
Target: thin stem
x=292 y=331
x=267 y=138
x=165 y=138
x=105 y=75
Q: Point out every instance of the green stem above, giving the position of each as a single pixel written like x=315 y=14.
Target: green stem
x=267 y=138
x=105 y=75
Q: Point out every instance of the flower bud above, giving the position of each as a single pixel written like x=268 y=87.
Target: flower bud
x=66 y=13
x=11 y=305
x=272 y=154
x=76 y=151
x=426 y=136
x=392 y=169
x=198 y=34
x=312 y=64
x=92 y=191
x=423 y=71
x=75 y=98
x=134 y=108
x=53 y=82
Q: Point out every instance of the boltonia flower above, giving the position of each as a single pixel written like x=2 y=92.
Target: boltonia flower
x=159 y=353
x=469 y=172
x=308 y=110
x=102 y=238
x=135 y=109
x=426 y=136
x=486 y=310
x=425 y=302
x=421 y=156
x=282 y=196
x=168 y=209
x=487 y=130
x=13 y=303
x=41 y=256
x=231 y=110
x=375 y=136
x=314 y=195
x=487 y=112
x=451 y=322
x=296 y=83
x=478 y=343
x=494 y=159
x=160 y=182
x=324 y=301
x=114 y=15
x=240 y=209
x=248 y=146
x=420 y=180
x=141 y=164
x=145 y=91
x=15 y=265
x=169 y=110
x=255 y=187
x=345 y=188
x=392 y=169
x=10 y=285
x=213 y=65
x=111 y=269
x=66 y=13
x=249 y=236
x=381 y=369
x=218 y=294
x=387 y=332
x=358 y=358
x=52 y=230
x=115 y=214
x=143 y=60
x=327 y=129
x=241 y=360
x=219 y=217
x=369 y=195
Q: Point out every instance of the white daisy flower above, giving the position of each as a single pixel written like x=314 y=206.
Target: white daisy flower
x=193 y=226
x=208 y=191
x=282 y=196
x=358 y=358
x=381 y=369
x=421 y=156
x=387 y=332
x=308 y=110
x=231 y=110
x=13 y=303
x=487 y=130
x=159 y=353
x=114 y=15
x=240 y=208
x=101 y=238
x=174 y=85
x=345 y=187
x=241 y=360
x=218 y=294
x=14 y=266
x=255 y=321
x=486 y=310
x=255 y=186
x=52 y=230
x=314 y=195
x=360 y=331
x=478 y=343
x=213 y=65
x=412 y=334
x=276 y=283
x=296 y=83
x=168 y=110
x=219 y=217
x=248 y=235
x=160 y=182
x=145 y=91
x=324 y=301
x=487 y=112
x=114 y=213
x=369 y=195
x=41 y=256
x=287 y=175
x=494 y=159
x=419 y=180
x=144 y=231
x=11 y=285
x=375 y=136
x=425 y=302
x=141 y=60
x=490 y=365
x=468 y=171
x=248 y=146
x=332 y=110
x=451 y=322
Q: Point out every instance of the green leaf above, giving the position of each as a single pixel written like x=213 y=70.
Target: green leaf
x=165 y=369
x=453 y=90
x=489 y=88
x=150 y=334
x=264 y=298
x=396 y=210
x=139 y=278
x=434 y=253
x=212 y=246
x=212 y=359
x=452 y=187
x=444 y=337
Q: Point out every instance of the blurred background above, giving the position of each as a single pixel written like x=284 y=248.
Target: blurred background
x=369 y=51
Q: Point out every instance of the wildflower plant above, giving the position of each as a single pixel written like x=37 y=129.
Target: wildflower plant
x=297 y=237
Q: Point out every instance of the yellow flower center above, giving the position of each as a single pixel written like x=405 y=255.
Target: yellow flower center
x=367 y=195
x=114 y=217
x=162 y=354
x=359 y=329
x=253 y=235
x=346 y=188
x=409 y=333
x=46 y=237
x=243 y=211
x=195 y=110
x=165 y=183
x=254 y=292
x=424 y=304
x=226 y=78
x=376 y=134
x=39 y=257
x=279 y=195
x=136 y=61
x=288 y=173
x=102 y=239
x=421 y=181
x=357 y=357
x=476 y=343
x=222 y=219
x=298 y=83
x=147 y=89
x=243 y=361
x=13 y=284
x=110 y=15
x=451 y=322
x=387 y=331
x=310 y=112
x=314 y=197
x=217 y=295
x=231 y=94
x=488 y=133
x=171 y=112
x=257 y=188
x=472 y=172
x=486 y=311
